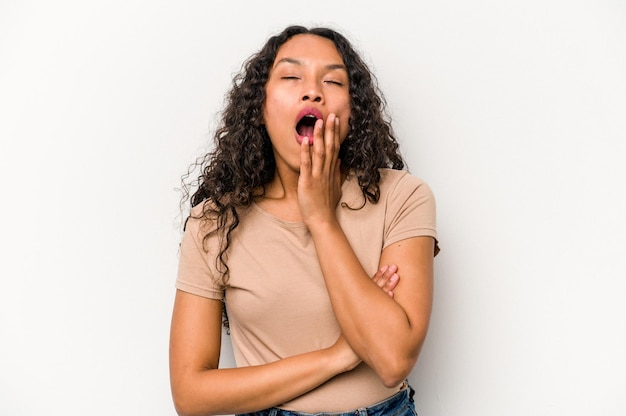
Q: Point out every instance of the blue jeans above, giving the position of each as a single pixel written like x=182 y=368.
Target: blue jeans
x=400 y=404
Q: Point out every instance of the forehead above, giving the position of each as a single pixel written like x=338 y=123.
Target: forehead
x=308 y=47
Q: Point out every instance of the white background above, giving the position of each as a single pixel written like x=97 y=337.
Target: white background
x=513 y=111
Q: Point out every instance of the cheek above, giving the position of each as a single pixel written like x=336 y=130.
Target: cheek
x=344 y=116
x=344 y=125
x=269 y=111
x=274 y=105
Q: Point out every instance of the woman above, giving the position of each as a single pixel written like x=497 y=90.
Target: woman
x=302 y=215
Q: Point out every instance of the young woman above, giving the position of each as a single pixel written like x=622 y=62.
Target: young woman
x=302 y=222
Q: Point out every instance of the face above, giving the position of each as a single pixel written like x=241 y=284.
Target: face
x=307 y=81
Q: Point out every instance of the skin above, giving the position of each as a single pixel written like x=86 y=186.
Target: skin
x=300 y=80
x=307 y=187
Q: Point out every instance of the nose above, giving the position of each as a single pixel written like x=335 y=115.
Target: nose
x=311 y=91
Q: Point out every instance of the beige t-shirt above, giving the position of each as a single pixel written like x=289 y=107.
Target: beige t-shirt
x=276 y=298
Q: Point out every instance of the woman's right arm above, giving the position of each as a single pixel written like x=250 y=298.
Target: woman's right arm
x=200 y=388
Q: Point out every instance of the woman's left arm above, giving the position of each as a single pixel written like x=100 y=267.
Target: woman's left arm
x=386 y=332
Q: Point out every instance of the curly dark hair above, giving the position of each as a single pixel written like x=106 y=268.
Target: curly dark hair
x=242 y=162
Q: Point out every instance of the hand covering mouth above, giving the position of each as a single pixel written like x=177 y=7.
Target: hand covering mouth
x=306 y=123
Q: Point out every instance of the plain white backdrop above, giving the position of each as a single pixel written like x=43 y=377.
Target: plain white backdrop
x=514 y=112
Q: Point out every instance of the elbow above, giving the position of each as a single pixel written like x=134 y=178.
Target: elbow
x=186 y=406
x=391 y=380
x=190 y=397
x=398 y=363
x=395 y=372
x=188 y=402
x=182 y=406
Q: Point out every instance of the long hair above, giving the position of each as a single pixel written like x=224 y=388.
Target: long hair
x=242 y=162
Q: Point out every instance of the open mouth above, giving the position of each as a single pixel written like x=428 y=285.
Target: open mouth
x=305 y=126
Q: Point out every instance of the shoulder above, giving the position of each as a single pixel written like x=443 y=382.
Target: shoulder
x=410 y=207
x=201 y=220
x=394 y=187
x=394 y=182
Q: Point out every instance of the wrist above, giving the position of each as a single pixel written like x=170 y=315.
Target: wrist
x=340 y=357
x=322 y=226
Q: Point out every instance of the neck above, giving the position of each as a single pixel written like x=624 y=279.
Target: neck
x=284 y=185
x=281 y=195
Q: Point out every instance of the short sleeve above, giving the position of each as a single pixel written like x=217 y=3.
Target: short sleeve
x=410 y=211
x=196 y=267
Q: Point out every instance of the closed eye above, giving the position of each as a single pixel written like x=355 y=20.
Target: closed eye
x=330 y=81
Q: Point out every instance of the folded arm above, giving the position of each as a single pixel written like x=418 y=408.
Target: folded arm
x=387 y=333
x=199 y=387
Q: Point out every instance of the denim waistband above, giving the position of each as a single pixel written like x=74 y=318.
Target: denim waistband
x=399 y=404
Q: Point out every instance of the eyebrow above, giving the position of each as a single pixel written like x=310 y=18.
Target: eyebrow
x=298 y=62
